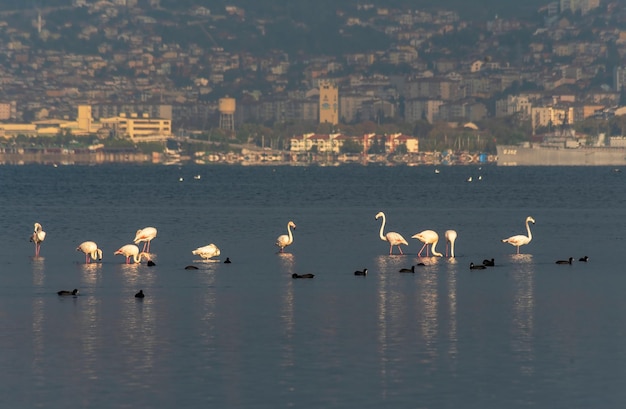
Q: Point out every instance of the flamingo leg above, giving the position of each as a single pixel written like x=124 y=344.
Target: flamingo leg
x=390 y=249
x=399 y=248
x=419 y=254
x=86 y=258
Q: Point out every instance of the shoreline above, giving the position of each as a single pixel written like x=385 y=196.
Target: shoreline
x=249 y=159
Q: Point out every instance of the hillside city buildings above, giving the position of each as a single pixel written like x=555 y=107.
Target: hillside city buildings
x=129 y=80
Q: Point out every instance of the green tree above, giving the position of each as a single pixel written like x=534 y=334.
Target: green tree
x=351 y=146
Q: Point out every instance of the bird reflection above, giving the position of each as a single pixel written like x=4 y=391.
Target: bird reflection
x=287 y=263
x=431 y=261
x=39 y=274
x=521 y=258
x=522 y=327
x=91 y=273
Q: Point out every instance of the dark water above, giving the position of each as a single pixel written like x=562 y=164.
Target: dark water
x=525 y=333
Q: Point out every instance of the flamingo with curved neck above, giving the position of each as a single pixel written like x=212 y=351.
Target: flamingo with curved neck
x=285 y=240
x=450 y=236
x=91 y=251
x=207 y=252
x=146 y=235
x=37 y=237
x=394 y=239
x=428 y=237
x=131 y=251
x=520 y=239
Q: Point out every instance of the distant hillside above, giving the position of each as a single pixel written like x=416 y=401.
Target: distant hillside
x=471 y=9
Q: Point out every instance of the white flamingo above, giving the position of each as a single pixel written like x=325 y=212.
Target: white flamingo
x=394 y=239
x=285 y=240
x=91 y=251
x=146 y=235
x=520 y=239
x=428 y=237
x=207 y=252
x=131 y=250
x=450 y=236
x=38 y=237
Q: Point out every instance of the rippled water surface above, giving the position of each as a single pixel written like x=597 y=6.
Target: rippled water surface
x=525 y=333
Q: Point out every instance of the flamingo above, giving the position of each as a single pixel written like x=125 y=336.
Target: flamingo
x=285 y=240
x=37 y=237
x=520 y=239
x=428 y=237
x=146 y=235
x=450 y=236
x=91 y=251
x=130 y=250
x=394 y=239
x=207 y=252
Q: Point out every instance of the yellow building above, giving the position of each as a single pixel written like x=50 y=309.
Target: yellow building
x=84 y=118
x=329 y=103
x=139 y=129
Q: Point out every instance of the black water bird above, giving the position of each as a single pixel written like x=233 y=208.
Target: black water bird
x=190 y=267
x=361 y=273
x=477 y=267
x=489 y=263
x=585 y=259
x=421 y=264
x=227 y=261
x=294 y=275
x=65 y=292
x=150 y=263
x=568 y=261
x=140 y=294
x=408 y=270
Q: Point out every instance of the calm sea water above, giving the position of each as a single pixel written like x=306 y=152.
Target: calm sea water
x=525 y=333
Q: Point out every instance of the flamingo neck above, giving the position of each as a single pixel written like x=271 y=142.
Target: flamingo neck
x=452 y=248
x=137 y=257
x=435 y=252
x=290 y=235
x=96 y=254
x=530 y=235
x=382 y=228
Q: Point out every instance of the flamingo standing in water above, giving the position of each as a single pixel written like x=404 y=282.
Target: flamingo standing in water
x=520 y=239
x=285 y=240
x=394 y=239
x=428 y=237
x=91 y=251
x=450 y=236
x=146 y=235
x=37 y=237
x=207 y=252
x=130 y=250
